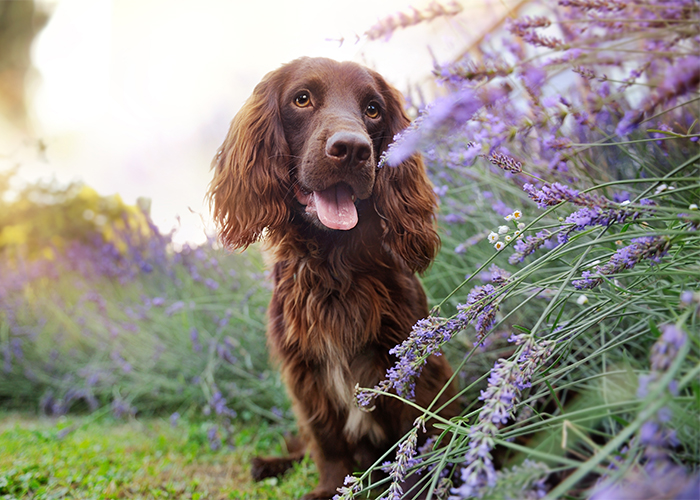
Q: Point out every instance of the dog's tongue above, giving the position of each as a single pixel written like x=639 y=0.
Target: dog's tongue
x=335 y=207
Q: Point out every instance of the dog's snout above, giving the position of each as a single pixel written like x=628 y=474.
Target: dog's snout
x=348 y=148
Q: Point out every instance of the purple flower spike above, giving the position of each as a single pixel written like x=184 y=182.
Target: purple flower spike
x=524 y=247
x=556 y=193
x=448 y=112
x=666 y=348
x=649 y=247
x=506 y=381
x=590 y=217
x=429 y=334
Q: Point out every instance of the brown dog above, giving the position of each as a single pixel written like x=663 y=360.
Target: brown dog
x=299 y=167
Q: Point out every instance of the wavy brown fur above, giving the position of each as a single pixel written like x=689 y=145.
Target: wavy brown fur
x=342 y=298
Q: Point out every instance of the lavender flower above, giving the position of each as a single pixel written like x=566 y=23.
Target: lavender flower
x=7 y=357
x=174 y=307
x=224 y=352
x=501 y=208
x=121 y=408
x=520 y=26
x=667 y=347
x=524 y=482
x=214 y=438
x=660 y=477
x=386 y=27
x=596 y=216
x=425 y=339
x=429 y=334
x=481 y=307
x=533 y=79
x=528 y=245
x=671 y=481
x=405 y=460
x=194 y=337
x=468 y=70
x=556 y=193
x=524 y=28
x=351 y=486
x=653 y=434
x=218 y=404
x=600 y=5
x=121 y=362
x=681 y=79
x=507 y=380
x=648 y=247
x=506 y=162
x=446 y=113
x=498 y=276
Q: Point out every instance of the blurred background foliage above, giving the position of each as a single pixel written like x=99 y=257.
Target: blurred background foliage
x=43 y=217
x=100 y=311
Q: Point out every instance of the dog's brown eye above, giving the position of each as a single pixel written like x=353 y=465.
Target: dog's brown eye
x=302 y=100
x=372 y=110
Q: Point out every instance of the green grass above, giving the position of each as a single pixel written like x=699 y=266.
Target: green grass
x=103 y=458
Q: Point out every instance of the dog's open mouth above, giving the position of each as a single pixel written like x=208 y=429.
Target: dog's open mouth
x=334 y=206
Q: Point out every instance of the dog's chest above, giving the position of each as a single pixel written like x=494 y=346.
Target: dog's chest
x=326 y=317
x=334 y=329
x=341 y=380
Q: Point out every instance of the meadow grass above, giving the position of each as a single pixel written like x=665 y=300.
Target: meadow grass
x=99 y=457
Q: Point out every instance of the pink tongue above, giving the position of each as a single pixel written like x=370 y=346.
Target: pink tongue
x=335 y=207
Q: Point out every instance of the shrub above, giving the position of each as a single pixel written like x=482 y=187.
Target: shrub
x=113 y=316
x=564 y=149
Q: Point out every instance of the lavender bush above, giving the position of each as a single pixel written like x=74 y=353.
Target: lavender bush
x=564 y=149
x=110 y=316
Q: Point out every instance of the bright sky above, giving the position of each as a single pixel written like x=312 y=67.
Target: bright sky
x=135 y=96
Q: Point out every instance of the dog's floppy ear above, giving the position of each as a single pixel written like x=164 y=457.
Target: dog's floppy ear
x=403 y=195
x=251 y=175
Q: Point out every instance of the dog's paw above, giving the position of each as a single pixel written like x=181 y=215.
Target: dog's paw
x=262 y=468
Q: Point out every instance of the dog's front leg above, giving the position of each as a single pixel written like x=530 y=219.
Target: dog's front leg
x=332 y=454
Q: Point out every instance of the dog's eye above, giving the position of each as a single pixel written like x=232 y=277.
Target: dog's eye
x=372 y=110
x=302 y=100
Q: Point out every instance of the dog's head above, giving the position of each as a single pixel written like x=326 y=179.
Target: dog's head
x=306 y=145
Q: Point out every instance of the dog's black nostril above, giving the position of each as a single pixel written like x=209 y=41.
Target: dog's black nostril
x=348 y=147
x=338 y=149
x=363 y=152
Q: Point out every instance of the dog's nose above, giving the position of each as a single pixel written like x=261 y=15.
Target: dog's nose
x=348 y=148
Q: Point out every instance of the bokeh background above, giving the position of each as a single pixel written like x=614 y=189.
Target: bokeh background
x=133 y=97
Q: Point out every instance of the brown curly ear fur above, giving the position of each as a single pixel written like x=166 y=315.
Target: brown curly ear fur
x=404 y=197
x=247 y=194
